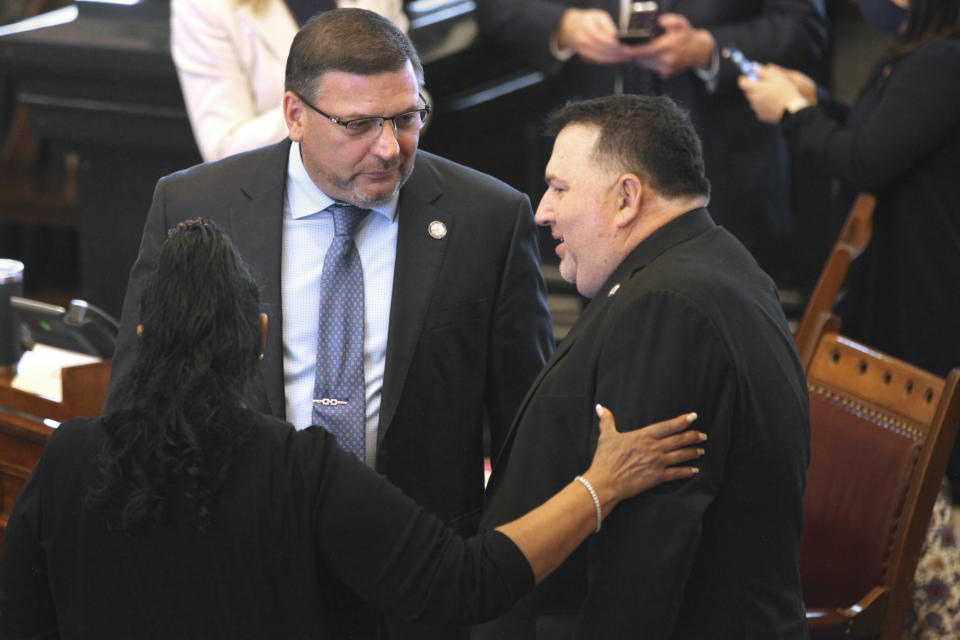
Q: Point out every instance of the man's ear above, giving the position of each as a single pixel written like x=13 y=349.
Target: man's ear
x=294 y=112
x=629 y=192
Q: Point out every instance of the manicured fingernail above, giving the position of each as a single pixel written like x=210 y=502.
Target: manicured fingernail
x=599 y=409
x=703 y=436
x=695 y=470
x=700 y=452
x=691 y=417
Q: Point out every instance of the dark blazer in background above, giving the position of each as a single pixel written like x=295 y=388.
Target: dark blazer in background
x=746 y=161
x=688 y=322
x=469 y=325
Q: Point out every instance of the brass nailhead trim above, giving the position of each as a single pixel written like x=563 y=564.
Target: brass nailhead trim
x=877 y=417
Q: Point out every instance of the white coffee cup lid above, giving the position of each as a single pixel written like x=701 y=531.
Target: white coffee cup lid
x=10 y=271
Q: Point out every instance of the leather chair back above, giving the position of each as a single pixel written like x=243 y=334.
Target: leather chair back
x=881 y=433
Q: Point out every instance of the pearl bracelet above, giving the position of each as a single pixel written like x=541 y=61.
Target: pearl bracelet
x=596 y=500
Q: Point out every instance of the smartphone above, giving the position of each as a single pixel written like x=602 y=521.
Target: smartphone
x=747 y=67
x=638 y=21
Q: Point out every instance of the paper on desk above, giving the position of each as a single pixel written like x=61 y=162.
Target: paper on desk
x=38 y=371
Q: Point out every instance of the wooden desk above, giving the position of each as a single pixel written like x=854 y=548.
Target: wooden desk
x=23 y=433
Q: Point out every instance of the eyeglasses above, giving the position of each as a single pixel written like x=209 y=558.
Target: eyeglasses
x=406 y=122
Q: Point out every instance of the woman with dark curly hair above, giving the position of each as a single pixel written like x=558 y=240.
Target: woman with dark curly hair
x=183 y=514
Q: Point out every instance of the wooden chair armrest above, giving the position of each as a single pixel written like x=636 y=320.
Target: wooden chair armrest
x=867 y=616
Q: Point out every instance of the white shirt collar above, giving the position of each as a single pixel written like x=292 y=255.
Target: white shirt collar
x=306 y=198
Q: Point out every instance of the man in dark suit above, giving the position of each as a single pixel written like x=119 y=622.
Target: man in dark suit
x=576 y=44
x=681 y=317
x=455 y=318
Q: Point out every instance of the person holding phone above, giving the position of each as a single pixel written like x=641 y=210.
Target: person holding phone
x=577 y=45
x=901 y=141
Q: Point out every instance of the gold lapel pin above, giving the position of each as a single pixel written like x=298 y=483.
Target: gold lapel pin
x=437 y=229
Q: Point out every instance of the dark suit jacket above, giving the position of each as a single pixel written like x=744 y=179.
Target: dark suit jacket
x=469 y=325
x=746 y=160
x=693 y=326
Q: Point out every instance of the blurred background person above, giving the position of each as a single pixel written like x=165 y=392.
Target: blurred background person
x=230 y=57
x=901 y=141
x=576 y=44
x=184 y=514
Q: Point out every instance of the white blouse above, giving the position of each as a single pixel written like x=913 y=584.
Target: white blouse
x=231 y=61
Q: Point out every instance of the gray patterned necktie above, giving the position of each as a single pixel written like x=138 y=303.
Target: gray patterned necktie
x=339 y=401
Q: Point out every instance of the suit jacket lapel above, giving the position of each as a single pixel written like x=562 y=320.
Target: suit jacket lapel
x=562 y=349
x=419 y=258
x=256 y=227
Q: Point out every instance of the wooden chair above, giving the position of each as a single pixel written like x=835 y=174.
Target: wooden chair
x=853 y=239
x=881 y=434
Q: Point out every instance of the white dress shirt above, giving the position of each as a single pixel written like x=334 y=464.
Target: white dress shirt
x=307 y=234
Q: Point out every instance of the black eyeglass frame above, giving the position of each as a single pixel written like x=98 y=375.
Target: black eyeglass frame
x=424 y=114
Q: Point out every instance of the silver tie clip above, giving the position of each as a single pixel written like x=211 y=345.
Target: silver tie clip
x=329 y=401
